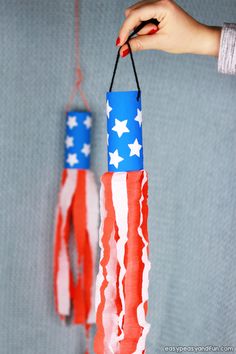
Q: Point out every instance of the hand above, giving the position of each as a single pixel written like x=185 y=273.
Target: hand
x=177 y=32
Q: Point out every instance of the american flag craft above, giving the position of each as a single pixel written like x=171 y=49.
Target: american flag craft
x=122 y=281
x=77 y=211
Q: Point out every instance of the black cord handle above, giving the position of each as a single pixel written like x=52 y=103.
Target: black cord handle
x=136 y=30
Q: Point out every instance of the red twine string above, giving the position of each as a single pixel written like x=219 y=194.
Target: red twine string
x=78 y=73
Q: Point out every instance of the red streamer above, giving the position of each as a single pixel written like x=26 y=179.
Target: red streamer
x=77 y=208
x=122 y=282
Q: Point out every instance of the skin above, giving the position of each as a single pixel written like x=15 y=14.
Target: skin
x=177 y=33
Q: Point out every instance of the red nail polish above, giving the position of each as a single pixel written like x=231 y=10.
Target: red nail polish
x=125 y=52
x=118 y=41
x=153 y=30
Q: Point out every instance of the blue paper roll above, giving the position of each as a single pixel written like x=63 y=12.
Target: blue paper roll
x=124 y=131
x=77 y=140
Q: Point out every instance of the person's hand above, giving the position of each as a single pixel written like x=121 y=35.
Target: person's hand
x=177 y=32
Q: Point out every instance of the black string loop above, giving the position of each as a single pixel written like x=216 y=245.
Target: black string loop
x=136 y=30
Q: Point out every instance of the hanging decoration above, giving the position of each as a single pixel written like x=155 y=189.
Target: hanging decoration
x=77 y=214
x=122 y=281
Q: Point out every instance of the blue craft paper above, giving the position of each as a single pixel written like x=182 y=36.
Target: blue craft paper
x=124 y=106
x=77 y=140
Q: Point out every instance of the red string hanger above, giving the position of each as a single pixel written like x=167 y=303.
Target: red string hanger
x=77 y=211
x=78 y=72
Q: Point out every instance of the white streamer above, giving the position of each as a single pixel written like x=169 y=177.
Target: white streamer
x=120 y=203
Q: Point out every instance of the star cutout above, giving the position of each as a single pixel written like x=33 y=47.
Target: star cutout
x=86 y=149
x=72 y=159
x=115 y=159
x=72 y=122
x=138 y=117
x=69 y=141
x=135 y=148
x=120 y=127
x=109 y=109
x=88 y=122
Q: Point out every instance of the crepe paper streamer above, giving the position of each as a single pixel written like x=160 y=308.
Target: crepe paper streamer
x=122 y=281
x=77 y=211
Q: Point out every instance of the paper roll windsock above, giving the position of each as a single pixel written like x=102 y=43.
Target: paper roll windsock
x=124 y=129
x=77 y=214
x=122 y=281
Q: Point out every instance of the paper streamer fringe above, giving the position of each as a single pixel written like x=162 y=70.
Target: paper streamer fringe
x=122 y=281
x=77 y=206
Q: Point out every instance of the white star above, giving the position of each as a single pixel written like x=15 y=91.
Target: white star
x=72 y=159
x=120 y=127
x=115 y=159
x=138 y=117
x=72 y=122
x=88 y=122
x=69 y=141
x=135 y=148
x=109 y=109
x=86 y=150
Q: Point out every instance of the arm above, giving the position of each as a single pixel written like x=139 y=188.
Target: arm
x=177 y=33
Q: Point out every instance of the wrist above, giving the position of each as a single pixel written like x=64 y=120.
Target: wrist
x=208 y=41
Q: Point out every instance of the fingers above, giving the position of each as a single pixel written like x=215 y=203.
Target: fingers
x=139 y=43
x=148 y=29
x=135 y=17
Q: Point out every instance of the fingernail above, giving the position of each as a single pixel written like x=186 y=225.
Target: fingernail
x=125 y=52
x=153 y=30
x=118 y=41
